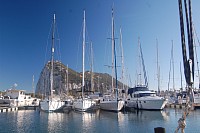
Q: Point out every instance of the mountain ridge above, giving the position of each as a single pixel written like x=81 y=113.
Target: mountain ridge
x=101 y=81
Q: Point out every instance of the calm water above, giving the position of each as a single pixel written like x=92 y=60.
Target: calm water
x=29 y=121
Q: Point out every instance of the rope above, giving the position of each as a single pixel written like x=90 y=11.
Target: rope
x=188 y=64
x=181 y=121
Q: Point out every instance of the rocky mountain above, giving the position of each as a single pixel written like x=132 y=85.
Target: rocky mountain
x=101 y=81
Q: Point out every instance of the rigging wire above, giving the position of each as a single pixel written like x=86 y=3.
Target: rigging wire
x=196 y=55
x=48 y=43
x=77 y=54
x=58 y=46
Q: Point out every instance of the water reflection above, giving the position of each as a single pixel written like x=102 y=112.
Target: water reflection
x=52 y=122
x=88 y=121
x=112 y=121
x=142 y=115
x=98 y=122
x=22 y=121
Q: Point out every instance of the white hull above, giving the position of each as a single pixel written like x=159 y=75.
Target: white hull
x=148 y=103
x=84 y=104
x=51 y=105
x=113 y=105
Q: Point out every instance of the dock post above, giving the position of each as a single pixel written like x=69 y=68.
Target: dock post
x=159 y=130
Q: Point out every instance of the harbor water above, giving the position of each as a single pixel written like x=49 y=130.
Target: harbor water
x=34 y=121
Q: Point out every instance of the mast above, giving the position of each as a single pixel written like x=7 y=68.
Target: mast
x=52 y=56
x=83 y=81
x=196 y=57
x=114 y=56
x=33 y=87
x=139 y=58
x=66 y=82
x=188 y=63
x=67 y=79
x=143 y=66
x=113 y=41
x=91 y=67
x=181 y=77
x=191 y=45
x=158 y=68
x=169 y=74
x=98 y=83
x=172 y=54
x=122 y=54
x=60 y=88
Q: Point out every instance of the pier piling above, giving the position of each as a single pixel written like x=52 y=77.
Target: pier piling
x=159 y=130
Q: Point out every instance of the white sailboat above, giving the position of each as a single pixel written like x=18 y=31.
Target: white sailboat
x=108 y=103
x=83 y=104
x=52 y=103
x=140 y=97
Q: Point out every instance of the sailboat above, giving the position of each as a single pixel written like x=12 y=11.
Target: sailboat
x=140 y=97
x=52 y=103
x=83 y=103
x=108 y=103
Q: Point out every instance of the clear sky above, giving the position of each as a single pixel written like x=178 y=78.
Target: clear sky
x=25 y=25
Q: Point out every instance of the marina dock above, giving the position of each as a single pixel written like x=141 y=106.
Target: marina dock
x=8 y=109
x=182 y=106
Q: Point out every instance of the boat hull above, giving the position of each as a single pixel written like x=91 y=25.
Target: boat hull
x=111 y=105
x=51 y=105
x=147 y=103
x=84 y=104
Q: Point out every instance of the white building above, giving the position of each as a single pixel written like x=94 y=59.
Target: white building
x=15 y=98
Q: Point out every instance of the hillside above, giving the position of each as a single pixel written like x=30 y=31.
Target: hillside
x=101 y=81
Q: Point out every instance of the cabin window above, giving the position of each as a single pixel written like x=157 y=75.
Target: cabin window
x=136 y=95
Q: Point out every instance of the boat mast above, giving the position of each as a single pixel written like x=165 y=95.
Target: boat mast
x=122 y=54
x=139 y=58
x=33 y=87
x=158 y=68
x=112 y=49
x=169 y=73
x=114 y=52
x=83 y=81
x=172 y=53
x=60 y=88
x=181 y=77
x=52 y=56
x=67 y=79
x=188 y=63
x=91 y=67
x=66 y=82
x=196 y=54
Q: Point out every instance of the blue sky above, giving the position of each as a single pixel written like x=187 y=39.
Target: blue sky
x=25 y=25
